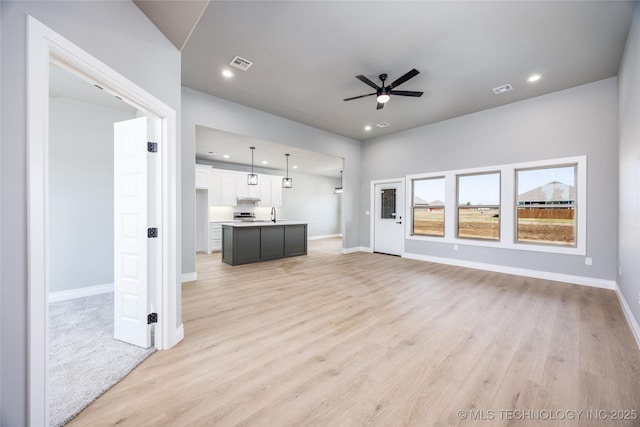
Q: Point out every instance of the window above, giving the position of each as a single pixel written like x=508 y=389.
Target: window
x=388 y=202
x=529 y=206
x=546 y=205
x=428 y=207
x=479 y=206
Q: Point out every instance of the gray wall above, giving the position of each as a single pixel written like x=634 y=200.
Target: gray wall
x=118 y=34
x=578 y=121
x=81 y=193
x=216 y=113
x=629 y=158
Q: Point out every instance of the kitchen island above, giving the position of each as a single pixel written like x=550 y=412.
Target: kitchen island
x=255 y=241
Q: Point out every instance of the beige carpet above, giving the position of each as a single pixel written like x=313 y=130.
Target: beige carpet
x=84 y=359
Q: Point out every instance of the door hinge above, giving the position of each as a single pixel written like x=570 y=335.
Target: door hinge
x=152 y=233
x=152 y=318
x=152 y=147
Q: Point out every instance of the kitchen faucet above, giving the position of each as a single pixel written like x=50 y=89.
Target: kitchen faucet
x=273 y=214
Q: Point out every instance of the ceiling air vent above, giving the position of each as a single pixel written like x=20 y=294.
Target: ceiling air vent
x=503 y=88
x=240 y=63
x=383 y=124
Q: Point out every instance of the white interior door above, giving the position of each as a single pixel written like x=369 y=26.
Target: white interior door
x=388 y=222
x=131 y=243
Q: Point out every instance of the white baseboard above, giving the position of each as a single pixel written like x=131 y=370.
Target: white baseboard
x=179 y=334
x=356 y=249
x=633 y=324
x=189 y=277
x=558 y=277
x=324 y=236
x=80 y=292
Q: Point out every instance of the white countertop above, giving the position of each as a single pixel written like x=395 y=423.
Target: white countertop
x=262 y=223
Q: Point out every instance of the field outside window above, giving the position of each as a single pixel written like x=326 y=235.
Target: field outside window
x=428 y=207
x=479 y=206
x=546 y=205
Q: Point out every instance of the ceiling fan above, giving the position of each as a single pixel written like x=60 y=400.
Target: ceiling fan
x=383 y=92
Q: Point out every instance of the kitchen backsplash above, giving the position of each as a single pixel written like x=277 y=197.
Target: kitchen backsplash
x=225 y=213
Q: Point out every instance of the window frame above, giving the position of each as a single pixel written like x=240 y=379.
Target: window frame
x=413 y=206
x=516 y=205
x=508 y=199
x=464 y=206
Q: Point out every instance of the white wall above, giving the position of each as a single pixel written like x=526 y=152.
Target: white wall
x=573 y=122
x=629 y=177
x=118 y=34
x=216 y=113
x=81 y=193
x=311 y=199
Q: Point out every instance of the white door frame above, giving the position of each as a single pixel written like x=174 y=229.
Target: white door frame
x=44 y=46
x=372 y=210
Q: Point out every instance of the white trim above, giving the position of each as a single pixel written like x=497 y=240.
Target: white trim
x=372 y=208
x=189 y=277
x=324 y=236
x=356 y=249
x=633 y=324
x=45 y=45
x=80 y=292
x=558 y=277
x=507 y=207
x=179 y=332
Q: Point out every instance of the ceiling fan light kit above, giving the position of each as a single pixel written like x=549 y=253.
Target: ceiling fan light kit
x=383 y=93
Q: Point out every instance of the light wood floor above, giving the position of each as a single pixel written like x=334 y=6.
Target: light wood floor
x=367 y=339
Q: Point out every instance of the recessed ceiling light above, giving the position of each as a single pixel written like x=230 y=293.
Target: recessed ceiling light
x=264 y=162
x=295 y=167
x=226 y=156
x=534 y=78
x=227 y=73
x=367 y=128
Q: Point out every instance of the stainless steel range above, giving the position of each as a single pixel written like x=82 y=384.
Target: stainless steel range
x=244 y=216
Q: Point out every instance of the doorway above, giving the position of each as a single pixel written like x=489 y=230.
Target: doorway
x=388 y=214
x=46 y=46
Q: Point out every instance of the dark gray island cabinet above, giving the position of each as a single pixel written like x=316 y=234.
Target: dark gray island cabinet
x=247 y=242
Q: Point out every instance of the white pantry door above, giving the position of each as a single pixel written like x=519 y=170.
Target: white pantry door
x=387 y=227
x=131 y=243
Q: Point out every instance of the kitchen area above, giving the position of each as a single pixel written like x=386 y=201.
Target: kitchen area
x=251 y=223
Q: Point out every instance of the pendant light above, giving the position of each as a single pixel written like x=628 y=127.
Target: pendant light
x=287 y=182
x=338 y=190
x=252 y=178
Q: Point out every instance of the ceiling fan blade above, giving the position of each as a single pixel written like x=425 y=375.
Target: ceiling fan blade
x=380 y=106
x=406 y=93
x=361 y=96
x=368 y=82
x=411 y=74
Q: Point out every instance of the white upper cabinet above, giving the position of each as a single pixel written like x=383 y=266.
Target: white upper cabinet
x=224 y=187
x=265 y=190
x=245 y=190
x=276 y=191
x=222 y=191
